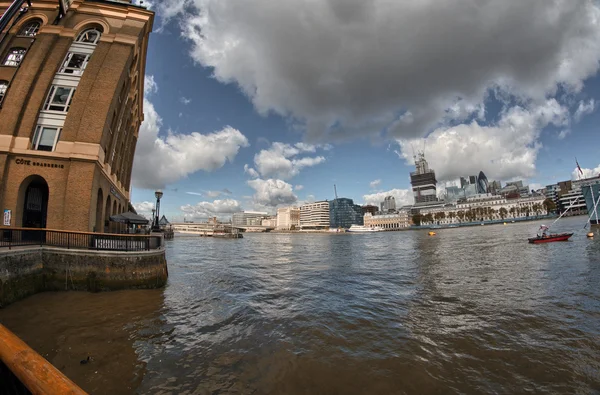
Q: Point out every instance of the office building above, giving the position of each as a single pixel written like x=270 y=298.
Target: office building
x=463 y=182
x=394 y=221
x=482 y=183
x=591 y=194
x=71 y=98
x=343 y=213
x=423 y=181
x=288 y=218
x=472 y=180
x=315 y=215
x=388 y=204
x=369 y=208
x=248 y=218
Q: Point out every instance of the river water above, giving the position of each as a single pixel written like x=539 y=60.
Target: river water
x=470 y=310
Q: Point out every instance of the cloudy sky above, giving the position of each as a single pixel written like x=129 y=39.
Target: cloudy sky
x=258 y=104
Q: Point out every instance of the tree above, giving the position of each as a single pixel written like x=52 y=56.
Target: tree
x=428 y=218
x=461 y=215
x=451 y=215
x=502 y=213
x=549 y=205
x=537 y=208
x=417 y=218
x=513 y=211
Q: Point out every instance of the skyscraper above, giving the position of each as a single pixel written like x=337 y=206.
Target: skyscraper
x=423 y=181
x=389 y=204
x=482 y=183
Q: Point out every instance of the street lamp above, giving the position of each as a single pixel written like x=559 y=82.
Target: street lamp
x=158 y=194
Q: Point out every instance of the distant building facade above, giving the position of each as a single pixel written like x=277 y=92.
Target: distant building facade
x=71 y=105
x=248 y=218
x=388 y=204
x=315 y=215
x=343 y=213
x=288 y=218
x=369 y=208
x=270 y=222
x=395 y=221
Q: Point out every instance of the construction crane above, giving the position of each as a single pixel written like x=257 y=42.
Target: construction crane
x=335 y=191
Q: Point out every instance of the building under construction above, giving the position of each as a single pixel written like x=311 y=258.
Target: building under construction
x=423 y=181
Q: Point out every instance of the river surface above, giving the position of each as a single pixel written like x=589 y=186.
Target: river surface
x=470 y=310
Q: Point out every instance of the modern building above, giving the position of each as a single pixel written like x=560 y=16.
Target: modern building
x=463 y=182
x=482 y=183
x=423 y=181
x=574 y=199
x=288 y=218
x=395 y=221
x=315 y=215
x=248 y=218
x=472 y=180
x=369 y=208
x=343 y=213
x=494 y=187
x=71 y=98
x=388 y=204
x=591 y=193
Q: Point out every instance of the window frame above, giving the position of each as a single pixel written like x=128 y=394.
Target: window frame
x=3 y=89
x=51 y=94
x=23 y=29
x=64 y=67
x=13 y=51
x=79 y=37
x=37 y=136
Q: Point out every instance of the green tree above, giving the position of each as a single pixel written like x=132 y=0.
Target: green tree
x=502 y=213
x=461 y=215
x=451 y=215
x=417 y=218
x=549 y=205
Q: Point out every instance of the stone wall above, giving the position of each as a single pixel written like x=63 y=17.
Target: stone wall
x=24 y=272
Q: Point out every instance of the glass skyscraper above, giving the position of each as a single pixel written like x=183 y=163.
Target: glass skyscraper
x=343 y=213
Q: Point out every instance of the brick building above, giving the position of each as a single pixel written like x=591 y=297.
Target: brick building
x=71 y=97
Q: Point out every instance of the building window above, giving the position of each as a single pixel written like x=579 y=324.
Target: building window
x=45 y=138
x=3 y=88
x=75 y=63
x=15 y=56
x=59 y=99
x=30 y=29
x=89 y=36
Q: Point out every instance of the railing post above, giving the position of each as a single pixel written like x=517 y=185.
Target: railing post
x=126 y=244
x=68 y=241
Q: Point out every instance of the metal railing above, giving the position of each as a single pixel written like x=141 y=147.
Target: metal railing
x=18 y=237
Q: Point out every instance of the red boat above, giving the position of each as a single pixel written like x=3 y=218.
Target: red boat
x=544 y=236
x=550 y=238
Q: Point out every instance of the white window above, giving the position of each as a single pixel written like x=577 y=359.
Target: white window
x=89 y=36
x=59 y=98
x=75 y=63
x=30 y=29
x=3 y=88
x=45 y=138
x=14 y=57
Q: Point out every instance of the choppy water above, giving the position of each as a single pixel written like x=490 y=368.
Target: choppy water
x=473 y=310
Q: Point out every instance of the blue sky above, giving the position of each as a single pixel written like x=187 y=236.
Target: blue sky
x=345 y=115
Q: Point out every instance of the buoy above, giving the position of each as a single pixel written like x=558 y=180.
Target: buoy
x=590 y=235
x=431 y=233
x=505 y=223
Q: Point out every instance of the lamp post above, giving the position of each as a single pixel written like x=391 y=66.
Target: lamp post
x=158 y=194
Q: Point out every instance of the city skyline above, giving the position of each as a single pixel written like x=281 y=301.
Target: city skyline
x=215 y=146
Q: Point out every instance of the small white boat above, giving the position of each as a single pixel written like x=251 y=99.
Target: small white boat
x=364 y=229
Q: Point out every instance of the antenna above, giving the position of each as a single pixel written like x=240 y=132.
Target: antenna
x=335 y=191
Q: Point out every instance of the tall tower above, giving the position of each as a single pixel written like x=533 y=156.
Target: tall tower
x=71 y=98
x=423 y=181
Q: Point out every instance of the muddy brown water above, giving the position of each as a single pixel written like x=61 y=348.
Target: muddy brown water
x=473 y=310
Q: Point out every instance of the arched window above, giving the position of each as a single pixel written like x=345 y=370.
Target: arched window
x=30 y=29
x=89 y=36
x=3 y=88
x=14 y=57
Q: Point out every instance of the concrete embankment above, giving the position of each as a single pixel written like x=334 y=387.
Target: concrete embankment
x=30 y=270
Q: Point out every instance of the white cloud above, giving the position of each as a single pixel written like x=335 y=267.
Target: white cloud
x=587 y=173
x=503 y=150
x=272 y=192
x=217 y=208
x=374 y=184
x=403 y=197
x=144 y=208
x=564 y=133
x=194 y=193
x=150 y=85
x=584 y=109
x=282 y=161
x=298 y=187
x=162 y=160
x=251 y=172
x=185 y=101
x=353 y=67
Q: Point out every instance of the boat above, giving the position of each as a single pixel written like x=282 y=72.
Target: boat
x=364 y=229
x=544 y=236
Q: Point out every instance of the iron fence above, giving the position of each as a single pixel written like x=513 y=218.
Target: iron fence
x=18 y=237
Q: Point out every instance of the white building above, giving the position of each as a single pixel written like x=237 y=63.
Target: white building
x=270 y=222
x=388 y=204
x=395 y=221
x=315 y=215
x=288 y=218
x=485 y=207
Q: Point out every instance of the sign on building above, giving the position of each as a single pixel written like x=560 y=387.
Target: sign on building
x=7 y=217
